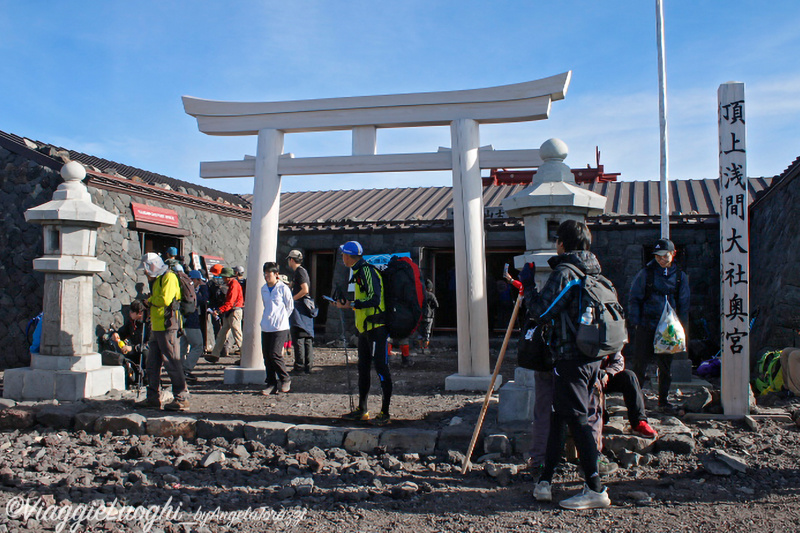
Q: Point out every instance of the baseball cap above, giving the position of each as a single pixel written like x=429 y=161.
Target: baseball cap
x=295 y=254
x=215 y=269
x=663 y=246
x=227 y=272
x=238 y=269
x=195 y=274
x=352 y=248
x=172 y=251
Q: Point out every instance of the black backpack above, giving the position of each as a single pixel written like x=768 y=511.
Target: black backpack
x=188 y=303
x=605 y=333
x=403 y=296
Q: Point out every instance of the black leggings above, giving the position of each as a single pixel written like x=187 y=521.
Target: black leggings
x=372 y=347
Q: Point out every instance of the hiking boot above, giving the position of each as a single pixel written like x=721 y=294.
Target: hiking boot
x=211 y=358
x=643 y=429
x=189 y=377
x=358 y=414
x=286 y=386
x=382 y=419
x=177 y=405
x=587 y=499
x=606 y=467
x=270 y=389
x=543 y=492
x=149 y=403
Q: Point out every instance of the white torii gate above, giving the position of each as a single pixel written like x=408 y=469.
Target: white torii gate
x=462 y=110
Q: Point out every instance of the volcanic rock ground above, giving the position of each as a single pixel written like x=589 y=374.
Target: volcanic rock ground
x=735 y=477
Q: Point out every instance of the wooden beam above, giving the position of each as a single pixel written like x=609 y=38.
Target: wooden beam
x=356 y=164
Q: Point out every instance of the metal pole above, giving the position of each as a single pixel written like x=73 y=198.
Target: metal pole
x=662 y=120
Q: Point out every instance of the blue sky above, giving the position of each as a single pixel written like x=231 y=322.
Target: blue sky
x=106 y=77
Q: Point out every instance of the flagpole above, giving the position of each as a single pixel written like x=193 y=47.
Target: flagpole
x=662 y=119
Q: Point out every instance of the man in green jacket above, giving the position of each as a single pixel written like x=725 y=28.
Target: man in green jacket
x=164 y=304
x=369 y=308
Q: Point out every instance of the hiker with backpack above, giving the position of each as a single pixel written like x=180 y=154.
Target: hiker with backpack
x=660 y=281
x=370 y=313
x=231 y=313
x=192 y=338
x=563 y=303
x=163 y=347
x=429 y=308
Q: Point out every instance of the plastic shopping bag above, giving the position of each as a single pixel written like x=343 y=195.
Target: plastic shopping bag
x=670 y=337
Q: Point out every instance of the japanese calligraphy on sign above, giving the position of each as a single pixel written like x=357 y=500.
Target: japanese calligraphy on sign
x=734 y=246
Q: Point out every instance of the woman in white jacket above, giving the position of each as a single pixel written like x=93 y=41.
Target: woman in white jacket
x=278 y=305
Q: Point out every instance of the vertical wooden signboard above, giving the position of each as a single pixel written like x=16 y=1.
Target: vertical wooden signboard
x=734 y=249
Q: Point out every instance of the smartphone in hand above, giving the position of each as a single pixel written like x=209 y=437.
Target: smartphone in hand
x=505 y=269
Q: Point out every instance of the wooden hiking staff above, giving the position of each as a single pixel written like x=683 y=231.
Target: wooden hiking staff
x=499 y=362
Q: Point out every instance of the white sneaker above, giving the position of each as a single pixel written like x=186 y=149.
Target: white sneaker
x=542 y=492
x=587 y=499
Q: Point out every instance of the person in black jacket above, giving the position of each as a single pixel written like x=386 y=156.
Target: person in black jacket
x=192 y=338
x=659 y=281
x=574 y=375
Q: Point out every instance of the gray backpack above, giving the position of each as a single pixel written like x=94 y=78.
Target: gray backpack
x=600 y=330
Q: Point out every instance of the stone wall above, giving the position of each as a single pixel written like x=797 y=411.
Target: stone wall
x=774 y=272
x=120 y=248
x=622 y=254
x=25 y=184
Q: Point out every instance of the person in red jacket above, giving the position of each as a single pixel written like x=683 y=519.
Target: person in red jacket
x=231 y=313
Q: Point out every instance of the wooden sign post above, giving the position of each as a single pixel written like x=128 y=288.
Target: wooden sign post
x=734 y=249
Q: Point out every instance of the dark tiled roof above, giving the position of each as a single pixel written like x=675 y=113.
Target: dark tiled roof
x=152 y=178
x=689 y=198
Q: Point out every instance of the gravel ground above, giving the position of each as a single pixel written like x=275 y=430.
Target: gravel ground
x=332 y=490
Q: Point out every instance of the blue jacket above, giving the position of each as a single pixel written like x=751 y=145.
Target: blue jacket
x=648 y=313
x=192 y=321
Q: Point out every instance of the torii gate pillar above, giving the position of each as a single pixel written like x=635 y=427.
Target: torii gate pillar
x=263 y=247
x=470 y=252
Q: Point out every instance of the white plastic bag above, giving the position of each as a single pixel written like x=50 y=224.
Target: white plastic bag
x=670 y=337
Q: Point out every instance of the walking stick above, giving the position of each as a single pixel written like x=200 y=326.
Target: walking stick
x=500 y=357
x=347 y=364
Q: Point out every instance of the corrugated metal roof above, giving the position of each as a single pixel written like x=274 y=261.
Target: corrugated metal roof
x=624 y=199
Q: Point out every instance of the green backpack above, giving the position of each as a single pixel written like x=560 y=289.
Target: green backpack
x=769 y=375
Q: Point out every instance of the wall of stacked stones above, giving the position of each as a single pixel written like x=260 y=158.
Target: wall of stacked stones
x=25 y=184
x=621 y=254
x=120 y=248
x=774 y=268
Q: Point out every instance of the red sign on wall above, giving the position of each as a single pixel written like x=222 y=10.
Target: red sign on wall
x=154 y=215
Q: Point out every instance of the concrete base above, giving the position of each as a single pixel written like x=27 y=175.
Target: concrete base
x=458 y=382
x=681 y=369
x=517 y=398
x=239 y=375
x=695 y=383
x=64 y=385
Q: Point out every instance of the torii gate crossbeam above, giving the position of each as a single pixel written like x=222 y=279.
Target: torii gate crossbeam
x=463 y=111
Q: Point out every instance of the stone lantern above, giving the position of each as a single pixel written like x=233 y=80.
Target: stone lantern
x=67 y=367
x=552 y=197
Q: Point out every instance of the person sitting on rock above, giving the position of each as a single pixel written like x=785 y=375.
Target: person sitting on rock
x=615 y=378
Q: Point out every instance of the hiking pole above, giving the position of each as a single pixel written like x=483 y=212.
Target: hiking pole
x=347 y=363
x=500 y=357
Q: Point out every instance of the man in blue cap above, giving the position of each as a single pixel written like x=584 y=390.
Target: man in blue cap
x=369 y=308
x=192 y=339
